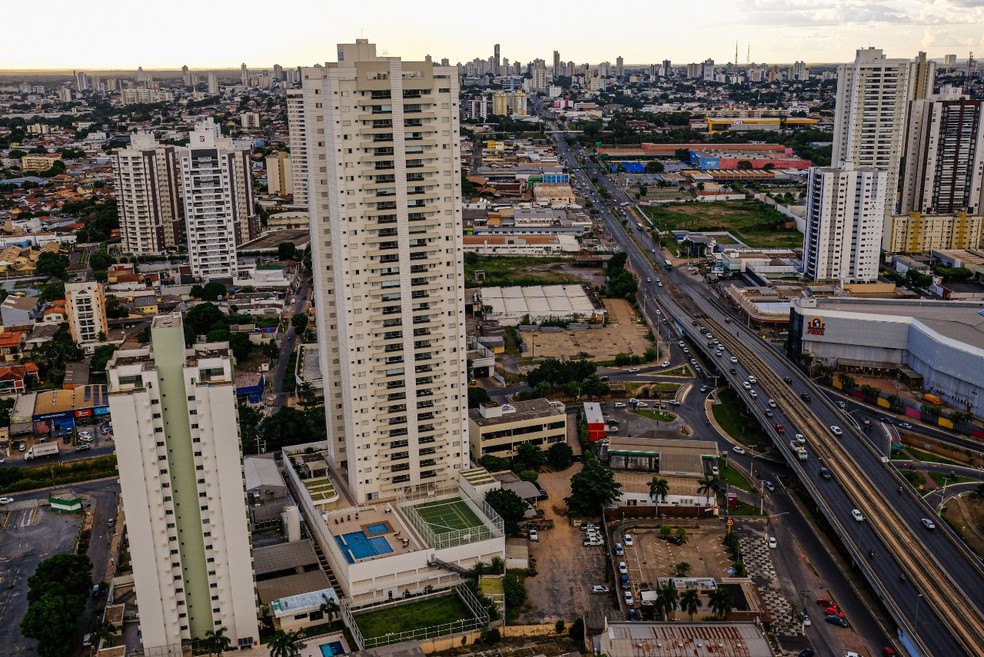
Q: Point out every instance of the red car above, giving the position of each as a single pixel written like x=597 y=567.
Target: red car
x=824 y=602
x=780 y=428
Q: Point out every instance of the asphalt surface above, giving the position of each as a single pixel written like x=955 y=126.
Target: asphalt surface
x=277 y=397
x=881 y=570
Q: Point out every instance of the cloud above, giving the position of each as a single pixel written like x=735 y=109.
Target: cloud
x=799 y=13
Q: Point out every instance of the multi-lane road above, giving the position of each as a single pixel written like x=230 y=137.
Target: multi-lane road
x=942 y=563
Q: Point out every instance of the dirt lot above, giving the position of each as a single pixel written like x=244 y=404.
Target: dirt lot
x=968 y=515
x=566 y=569
x=624 y=334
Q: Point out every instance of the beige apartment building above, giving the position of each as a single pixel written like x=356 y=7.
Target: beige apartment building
x=919 y=233
x=148 y=196
x=498 y=429
x=85 y=305
x=384 y=183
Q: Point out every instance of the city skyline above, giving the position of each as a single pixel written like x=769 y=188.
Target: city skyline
x=828 y=32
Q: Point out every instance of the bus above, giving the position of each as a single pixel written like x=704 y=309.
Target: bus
x=668 y=264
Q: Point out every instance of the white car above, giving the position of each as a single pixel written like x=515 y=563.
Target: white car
x=926 y=522
x=665 y=363
x=771 y=486
x=534 y=535
x=681 y=343
x=773 y=544
x=599 y=588
x=857 y=515
x=623 y=568
x=715 y=470
x=642 y=404
x=752 y=379
x=836 y=430
x=6 y=500
x=629 y=600
x=628 y=540
x=633 y=370
x=734 y=359
x=772 y=403
x=619 y=404
x=746 y=385
x=738 y=450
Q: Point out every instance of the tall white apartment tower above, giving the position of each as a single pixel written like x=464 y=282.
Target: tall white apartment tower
x=147 y=196
x=181 y=476
x=297 y=139
x=873 y=97
x=85 y=305
x=385 y=206
x=944 y=163
x=845 y=212
x=217 y=194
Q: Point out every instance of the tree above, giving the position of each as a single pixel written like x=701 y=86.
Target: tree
x=510 y=507
x=744 y=165
x=706 y=487
x=513 y=591
x=683 y=569
x=329 y=607
x=659 y=488
x=690 y=602
x=201 y=319
x=654 y=166
x=52 y=265
x=560 y=456
x=529 y=456
x=213 y=291
x=720 y=602
x=477 y=396
x=216 y=642
x=666 y=599
x=249 y=425
x=494 y=463
x=284 y=644
x=592 y=488
x=241 y=345
x=100 y=259
x=299 y=321
x=101 y=356
x=57 y=595
x=105 y=631
x=286 y=251
x=846 y=380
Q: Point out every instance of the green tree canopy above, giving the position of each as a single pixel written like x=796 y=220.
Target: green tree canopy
x=286 y=251
x=592 y=488
x=57 y=594
x=52 y=265
x=560 y=456
x=299 y=321
x=476 y=396
x=509 y=506
x=529 y=456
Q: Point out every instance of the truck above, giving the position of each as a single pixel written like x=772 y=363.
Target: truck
x=798 y=449
x=38 y=451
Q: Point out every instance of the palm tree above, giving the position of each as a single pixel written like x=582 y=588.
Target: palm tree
x=329 y=607
x=658 y=490
x=690 y=602
x=284 y=644
x=216 y=642
x=104 y=632
x=705 y=488
x=683 y=569
x=720 y=602
x=666 y=601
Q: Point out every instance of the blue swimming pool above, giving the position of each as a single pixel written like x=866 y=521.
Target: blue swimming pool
x=356 y=545
x=332 y=649
x=378 y=528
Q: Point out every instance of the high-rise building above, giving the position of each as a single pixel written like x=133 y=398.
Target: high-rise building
x=845 y=212
x=950 y=60
x=213 y=84
x=181 y=478
x=619 y=67
x=278 y=72
x=667 y=68
x=518 y=101
x=387 y=255
x=497 y=60
x=186 y=77
x=500 y=103
x=279 y=175
x=944 y=156
x=540 y=80
x=244 y=75
x=147 y=196
x=800 y=72
x=85 y=305
x=297 y=139
x=707 y=70
x=249 y=120
x=217 y=194
x=143 y=77
x=873 y=95
x=81 y=81
x=558 y=67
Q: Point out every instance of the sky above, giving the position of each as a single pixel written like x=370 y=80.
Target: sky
x=114 y=34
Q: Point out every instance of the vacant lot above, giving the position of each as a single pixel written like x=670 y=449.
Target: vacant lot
x=624 y=334
x=504 y=272
x=651 y=558
x=755 y=223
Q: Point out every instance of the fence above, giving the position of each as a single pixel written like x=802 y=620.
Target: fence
x=491 y=527
x=479 y=620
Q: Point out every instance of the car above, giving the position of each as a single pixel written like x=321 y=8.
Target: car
x=837 y=620
x=772 y=403
x=805 y=618
x=825 y=473
x=619 y=550
x=87 y=439
x=600 y=589
x=727 y=320
x=904 y=425
x=718 y=353
x=840 y=404
x=686 y=351
x=800 y=438
x=604 y=377
x=649 y=280
x=665 y=363
x=674 y=402
x=623 y=568
x=734 y=359
x=642 y=404
x=752 y=379
x=87 y=640
x=857 y=515
x=705 y=388
x=773 y=544
x=6 y=500
x=693 y=361
x=715 y=470
x=83 y=447
x=787 y=379
x=592 y=542
x=824 y=602
x=886 y=419
x=633 y=370
x=771 y=486
x=805 y=396
x=836 y=430
x=588 y=526
x=629 y=600
x=612 y=428
x=734 y=370
x=534 y=535
x=769 y=413
x=681 y=343
x=928 y=524
x=628 y=540
x=694 y=323
x=780 y=428
x=754 y=395
x=738 y=449
x=746 y=385
x=619 y=404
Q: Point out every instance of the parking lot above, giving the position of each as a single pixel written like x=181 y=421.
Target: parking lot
x=652 y=557
x=30 y=535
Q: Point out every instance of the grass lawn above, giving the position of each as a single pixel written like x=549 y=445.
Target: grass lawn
x=942 y=479
x=678 y=371
x=518 y=271
x=914 y=477
x=742 y=510
x=753 y=222
x=729 y=413
x=659 y=416
x=734 y=478
x=929 y=457
x=412 y=616
x=446 y=516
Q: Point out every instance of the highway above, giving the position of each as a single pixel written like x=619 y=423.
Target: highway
x=939 y=605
